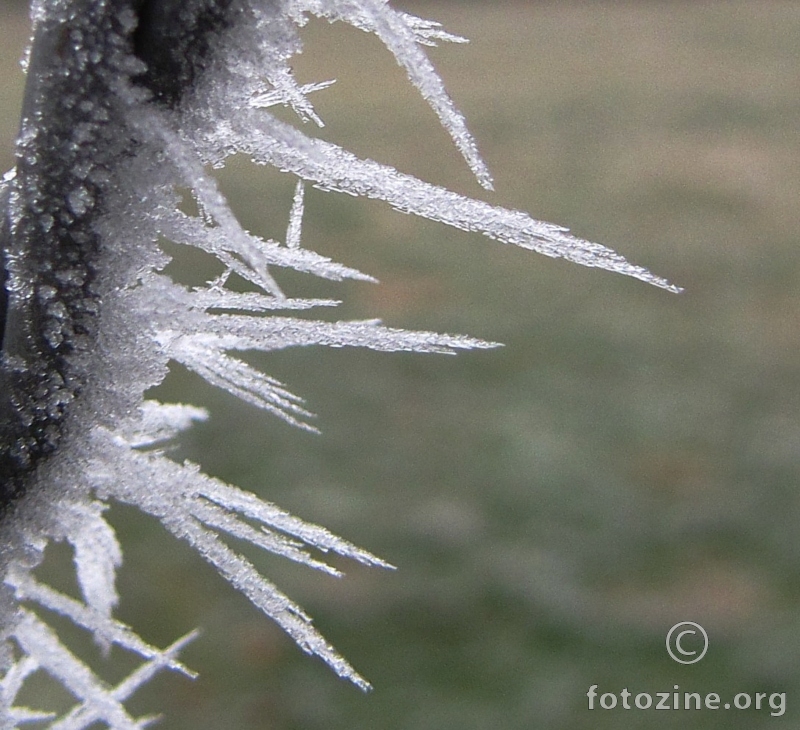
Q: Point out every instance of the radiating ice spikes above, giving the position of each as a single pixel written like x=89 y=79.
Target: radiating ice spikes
x=145 y=320
x=220 y=520
x=248 y=255
x=289 y=93
x=274 y=97
x=204 y=355
x=205 y=352
x=156 y=129
x=176 y=506
x=87 y=714
x=269 y=141
x=263 y=594
x=97 y=703
x=253 y=508
x=104 y=629
x=400 y=33
x=187 y=485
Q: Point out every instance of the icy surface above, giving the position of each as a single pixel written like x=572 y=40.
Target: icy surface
x=127 y=163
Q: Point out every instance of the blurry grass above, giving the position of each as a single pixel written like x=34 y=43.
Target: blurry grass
x=629 y=460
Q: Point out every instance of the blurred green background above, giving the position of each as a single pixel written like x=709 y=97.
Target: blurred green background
x=629 y=460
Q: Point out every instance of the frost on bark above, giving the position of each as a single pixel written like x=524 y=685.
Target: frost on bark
x=127 y=103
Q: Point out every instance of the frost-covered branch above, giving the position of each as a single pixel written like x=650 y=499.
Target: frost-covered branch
x=127 y=103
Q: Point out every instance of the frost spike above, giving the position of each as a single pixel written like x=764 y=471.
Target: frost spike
x=400 y=34
x=39 y=641
x=87 y=714
x=296 y=217
x=109 y=630
x=242 y=575
x=270 y=141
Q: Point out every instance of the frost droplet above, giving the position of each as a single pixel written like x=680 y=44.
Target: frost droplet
x=80 y=200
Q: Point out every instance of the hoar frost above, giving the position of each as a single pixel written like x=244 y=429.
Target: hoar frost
x=129 y=102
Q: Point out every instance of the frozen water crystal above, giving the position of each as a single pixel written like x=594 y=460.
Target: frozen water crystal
x=127 y=103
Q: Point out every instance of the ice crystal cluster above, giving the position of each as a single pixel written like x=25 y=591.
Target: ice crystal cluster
x=128 y=104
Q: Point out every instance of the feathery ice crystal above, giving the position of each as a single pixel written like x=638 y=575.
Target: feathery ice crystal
x=127 y=103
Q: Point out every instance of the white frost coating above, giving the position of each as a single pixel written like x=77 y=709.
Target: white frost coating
x=113 y=451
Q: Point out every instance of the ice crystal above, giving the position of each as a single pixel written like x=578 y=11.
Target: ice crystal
x=128 y=103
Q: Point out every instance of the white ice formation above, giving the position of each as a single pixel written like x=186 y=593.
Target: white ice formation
x=128 y=158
